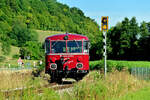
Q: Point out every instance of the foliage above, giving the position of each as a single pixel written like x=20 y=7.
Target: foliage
x=16 y=56
x=59 y=17
x=21 y=34
x=2 y=58
x=6 y=48
x=129 y=41
x=19 y=17
x=32 y=49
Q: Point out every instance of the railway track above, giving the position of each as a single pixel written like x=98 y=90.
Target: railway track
x=39 y=90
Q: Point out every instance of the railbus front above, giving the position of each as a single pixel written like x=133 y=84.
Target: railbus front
x=67 y=56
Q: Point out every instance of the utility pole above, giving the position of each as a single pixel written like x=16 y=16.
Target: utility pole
x=104 y=28
x=105 y=52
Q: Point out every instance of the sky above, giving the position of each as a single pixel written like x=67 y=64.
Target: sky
x=117 y=10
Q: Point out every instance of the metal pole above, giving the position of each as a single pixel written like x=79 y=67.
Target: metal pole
x=105 y=53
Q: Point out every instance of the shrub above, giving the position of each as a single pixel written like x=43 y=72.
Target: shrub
x=2 y=58
x=119 y=67
x=16 y=56
x=99 y=65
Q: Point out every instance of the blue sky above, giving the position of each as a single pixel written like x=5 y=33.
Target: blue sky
x=117 y=10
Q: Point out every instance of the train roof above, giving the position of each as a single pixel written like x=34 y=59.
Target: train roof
x=67 y=36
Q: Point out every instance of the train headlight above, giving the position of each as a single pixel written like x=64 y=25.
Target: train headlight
x=79 y=65
x=53 y=66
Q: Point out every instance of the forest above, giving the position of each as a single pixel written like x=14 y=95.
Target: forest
x=127 y=40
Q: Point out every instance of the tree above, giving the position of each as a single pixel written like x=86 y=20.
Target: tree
x=6 y=48
x=134 y=31
x=123 y=39
x=32 y=49
x=21 y=33
x=143 y=47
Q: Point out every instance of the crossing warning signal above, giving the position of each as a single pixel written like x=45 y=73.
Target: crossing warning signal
x=104 y=23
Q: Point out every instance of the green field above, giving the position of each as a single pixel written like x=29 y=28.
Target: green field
x=118 y=64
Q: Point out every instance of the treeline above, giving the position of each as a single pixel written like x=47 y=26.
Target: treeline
x=129 y=41
x=18 y=18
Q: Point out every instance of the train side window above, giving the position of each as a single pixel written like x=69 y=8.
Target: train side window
x=85 y=46
x=47 y=46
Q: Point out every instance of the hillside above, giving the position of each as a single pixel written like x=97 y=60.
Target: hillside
x=45 y=15
x=20 y=18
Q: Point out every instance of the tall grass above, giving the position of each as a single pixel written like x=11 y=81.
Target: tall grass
x=114 y=85
x=142 y=94
x=19 y=79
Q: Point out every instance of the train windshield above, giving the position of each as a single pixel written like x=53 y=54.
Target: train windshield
x=58 y=47
x=74 y=46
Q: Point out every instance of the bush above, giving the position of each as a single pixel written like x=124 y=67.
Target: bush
x=119 y=67
x=32 y=49
x=20 y=34
x=16 y=56
x=99 y=65
x=2 y=58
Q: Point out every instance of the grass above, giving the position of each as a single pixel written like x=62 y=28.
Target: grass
x=14 y=64
x=142 y=94
x=19 y=79
x=118 y=64
x=8 y=59
x=11 y=80
x=14 y=79
x=115 y=85
x=14 y=51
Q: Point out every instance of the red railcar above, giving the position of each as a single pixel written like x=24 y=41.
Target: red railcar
x=67 y=56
